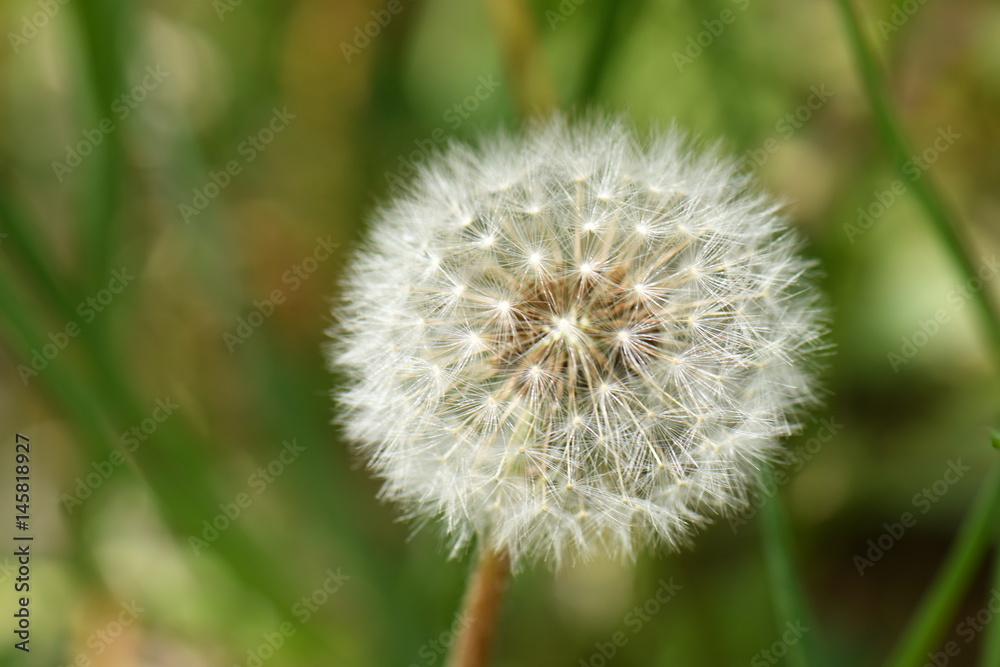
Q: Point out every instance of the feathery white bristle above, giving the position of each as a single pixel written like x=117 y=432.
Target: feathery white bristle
x=566 y=343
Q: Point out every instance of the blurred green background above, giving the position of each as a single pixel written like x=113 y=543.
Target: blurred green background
x=180 y=183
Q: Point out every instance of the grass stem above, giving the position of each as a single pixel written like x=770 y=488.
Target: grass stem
x=940 y=602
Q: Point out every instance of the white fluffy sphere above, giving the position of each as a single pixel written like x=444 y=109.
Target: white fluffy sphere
x=569 y=342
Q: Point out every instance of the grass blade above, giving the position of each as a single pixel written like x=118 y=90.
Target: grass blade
x=529 y=77
x=786 y=593
x=892 y=138
x=102 y=28
x=991 y=644
x=615 y=22
x=940 y=602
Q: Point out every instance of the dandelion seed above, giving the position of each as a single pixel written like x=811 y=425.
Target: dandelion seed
x=597 y=357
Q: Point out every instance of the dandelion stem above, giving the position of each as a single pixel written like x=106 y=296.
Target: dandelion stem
x=481 y=610
x=939 y=603
x=522 y=54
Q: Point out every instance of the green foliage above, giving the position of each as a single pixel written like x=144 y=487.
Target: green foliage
x=226 y=312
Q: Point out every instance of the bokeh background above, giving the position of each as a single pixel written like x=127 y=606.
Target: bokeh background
x=221 y=157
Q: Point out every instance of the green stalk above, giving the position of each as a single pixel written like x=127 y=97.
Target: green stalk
x=524 y=62
x=615 y=20
x=991 y=644
x=729 y=74
x=894 y=142
x=786 y=593
x=938 y=607
x=103 y=25
x=106 y=401
x=939 y=603
x=53 y=380
x=27 y=252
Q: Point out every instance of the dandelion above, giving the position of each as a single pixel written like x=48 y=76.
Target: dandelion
x=569 y=342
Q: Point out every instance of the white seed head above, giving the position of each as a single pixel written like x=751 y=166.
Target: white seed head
x=568 y=343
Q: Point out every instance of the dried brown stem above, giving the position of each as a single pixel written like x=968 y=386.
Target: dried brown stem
x=481 y=610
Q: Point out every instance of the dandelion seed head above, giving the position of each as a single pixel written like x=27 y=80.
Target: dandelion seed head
x=568 y=343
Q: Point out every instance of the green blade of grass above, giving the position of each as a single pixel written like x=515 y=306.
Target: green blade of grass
x=786 y=593
x=27 y=252
x=325 y=490
x=101 y=406
x=103 y=29
x=730 y=75
x=615 y=20
x=104 y=26
x=940 y=602
x=529 y=77
x=185 y=506
x=893 y=141
x=53 y=380
x=991 y=643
